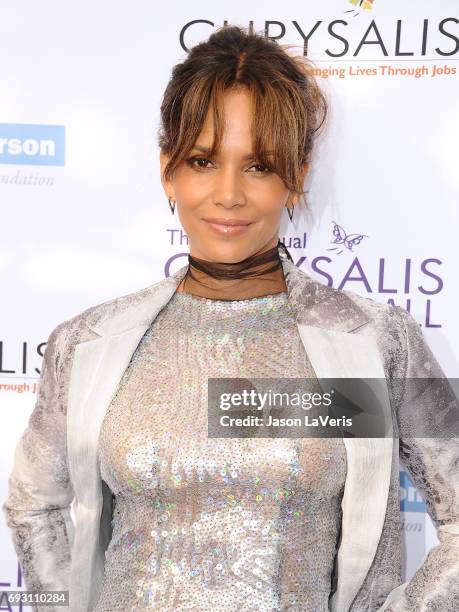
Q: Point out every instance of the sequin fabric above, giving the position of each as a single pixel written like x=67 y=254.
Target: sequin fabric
x=202 y=523
x=56 y=459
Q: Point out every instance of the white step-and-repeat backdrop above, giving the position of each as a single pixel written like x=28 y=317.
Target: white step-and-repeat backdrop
x=84 y=218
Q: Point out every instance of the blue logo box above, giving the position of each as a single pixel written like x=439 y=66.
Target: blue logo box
x=29 y=144
x=411 y=500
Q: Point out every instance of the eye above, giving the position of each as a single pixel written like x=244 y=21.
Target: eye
x=264 y=169
x=200 y=163
x=191 y=162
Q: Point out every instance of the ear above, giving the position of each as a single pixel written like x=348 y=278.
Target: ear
x=304 y=172
x=305 y=169
x=166 y=183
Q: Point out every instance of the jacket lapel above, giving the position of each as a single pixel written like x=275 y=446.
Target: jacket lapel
x=325 y=319
x=331 y=327
x=98 y=366
x=336 y=354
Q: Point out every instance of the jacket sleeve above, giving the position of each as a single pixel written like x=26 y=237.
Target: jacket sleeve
x=37 y=508
x=427 y=419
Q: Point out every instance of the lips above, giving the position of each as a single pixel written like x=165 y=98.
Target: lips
x=230 y=222
x=227 y=227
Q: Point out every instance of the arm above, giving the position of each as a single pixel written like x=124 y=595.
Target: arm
x=431 y=410
x=37 y=508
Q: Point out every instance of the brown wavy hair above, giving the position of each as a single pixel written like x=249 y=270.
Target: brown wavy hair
x=287 y=102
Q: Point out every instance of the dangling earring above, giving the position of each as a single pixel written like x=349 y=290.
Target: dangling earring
x=171 y=205
x=290 y=213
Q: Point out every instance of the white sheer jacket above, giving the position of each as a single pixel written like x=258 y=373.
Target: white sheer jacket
x=59 y=509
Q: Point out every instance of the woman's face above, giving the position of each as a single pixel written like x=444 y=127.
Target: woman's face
x=231 y=187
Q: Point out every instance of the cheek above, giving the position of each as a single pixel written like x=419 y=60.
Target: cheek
x=189 y=193
x=189 y=187
x=271 y=201
x=271 y=191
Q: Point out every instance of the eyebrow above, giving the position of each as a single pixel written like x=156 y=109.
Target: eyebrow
x=245 y=157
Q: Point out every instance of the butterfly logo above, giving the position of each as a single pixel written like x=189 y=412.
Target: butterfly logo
x=341 y=237
x=360 y=4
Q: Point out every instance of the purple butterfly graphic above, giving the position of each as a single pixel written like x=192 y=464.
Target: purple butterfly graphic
x=349 y=240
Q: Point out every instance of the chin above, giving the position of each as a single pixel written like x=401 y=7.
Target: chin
x=228 y=253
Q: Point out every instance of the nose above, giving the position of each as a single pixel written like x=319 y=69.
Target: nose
x=229 y=189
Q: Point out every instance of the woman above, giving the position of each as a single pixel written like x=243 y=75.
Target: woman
x=167 y=518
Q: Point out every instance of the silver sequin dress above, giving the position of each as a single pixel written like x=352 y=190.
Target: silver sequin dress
x=210 y=524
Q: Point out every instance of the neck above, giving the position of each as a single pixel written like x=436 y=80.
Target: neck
x=256 y=276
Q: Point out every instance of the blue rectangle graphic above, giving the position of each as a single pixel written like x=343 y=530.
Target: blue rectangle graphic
x=410 y=498
x=29 y=144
